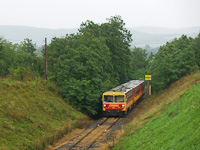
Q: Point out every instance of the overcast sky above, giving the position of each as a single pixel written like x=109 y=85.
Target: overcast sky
x=71 y=13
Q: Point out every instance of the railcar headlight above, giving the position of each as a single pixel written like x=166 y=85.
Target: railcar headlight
x=104 y=105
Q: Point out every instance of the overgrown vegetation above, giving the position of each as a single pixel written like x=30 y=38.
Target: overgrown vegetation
x=82 y=66
x=97 y=58
x=169 y=120
x=32 y=115
x=174 y=60
x=17 y=58
x=92 y=61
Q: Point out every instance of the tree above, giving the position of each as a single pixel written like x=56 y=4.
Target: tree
x=28 y=47
x=7 y=55
x=138 y=63
x=16 y=60
x=118 y=40
x=78 y=66
x=173 y=60
x=196 y=48
x=147 y=47
x=90 y=62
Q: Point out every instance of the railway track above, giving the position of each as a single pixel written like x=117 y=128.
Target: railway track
x=88 y=138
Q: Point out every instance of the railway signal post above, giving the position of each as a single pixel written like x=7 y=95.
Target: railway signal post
x=148 y=78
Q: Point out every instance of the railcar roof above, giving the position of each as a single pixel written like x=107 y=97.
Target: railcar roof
x=126 y=87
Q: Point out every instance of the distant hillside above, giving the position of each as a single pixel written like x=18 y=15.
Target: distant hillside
x=160 y=30
x=17 y=34
x=141 y=39
x=152 y=36
x=157 y=36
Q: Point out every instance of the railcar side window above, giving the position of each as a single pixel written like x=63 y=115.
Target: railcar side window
x=119 y=98
x=137 y=90
x=108 y=98
x=129 y=96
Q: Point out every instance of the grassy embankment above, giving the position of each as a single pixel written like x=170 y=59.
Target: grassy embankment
x=32 y=115
x=169 y=120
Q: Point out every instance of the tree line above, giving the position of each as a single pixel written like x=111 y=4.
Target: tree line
x=97 y=58
x=174 y=60
x=19 y=61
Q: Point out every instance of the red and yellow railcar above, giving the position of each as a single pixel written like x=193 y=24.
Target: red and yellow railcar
x=118 y=100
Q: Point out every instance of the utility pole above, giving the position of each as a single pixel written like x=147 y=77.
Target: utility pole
x=1 y=46
x=46 y=56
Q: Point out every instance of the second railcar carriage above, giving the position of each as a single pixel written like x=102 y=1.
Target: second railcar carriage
x=118 y=100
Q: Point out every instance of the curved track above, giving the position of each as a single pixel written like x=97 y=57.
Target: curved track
x=87 y=138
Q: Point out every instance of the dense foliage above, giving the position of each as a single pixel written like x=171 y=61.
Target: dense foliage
x=139 y=63
x=97 y=58
x=92 y=61
x=19 y=60
x=174 y=60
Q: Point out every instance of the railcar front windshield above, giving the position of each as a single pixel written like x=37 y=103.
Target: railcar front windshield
x=108 y=98
x=119 y=98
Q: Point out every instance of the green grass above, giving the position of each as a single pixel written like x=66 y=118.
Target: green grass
x=176 y=128
x=32 y=115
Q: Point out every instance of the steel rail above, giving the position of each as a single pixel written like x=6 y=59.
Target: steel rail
x=102 y=133
x=87 y=134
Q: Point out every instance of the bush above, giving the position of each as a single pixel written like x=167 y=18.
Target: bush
x=15 y=73
x=21 y=73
